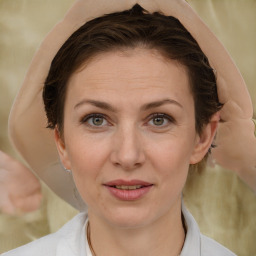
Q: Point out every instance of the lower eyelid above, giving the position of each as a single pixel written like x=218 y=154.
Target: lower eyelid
x=166 y=122
x=167 y=117
x=87 y=117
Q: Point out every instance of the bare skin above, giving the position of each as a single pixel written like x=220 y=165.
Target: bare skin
x=18 y=193
x=236 y=138
x=20 y=190
x=130 y=117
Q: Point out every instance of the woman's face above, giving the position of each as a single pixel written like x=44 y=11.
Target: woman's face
x=129 y=136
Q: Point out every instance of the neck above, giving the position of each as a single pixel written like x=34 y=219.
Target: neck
x=165 y=236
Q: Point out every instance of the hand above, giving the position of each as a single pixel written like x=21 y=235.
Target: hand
x=236 y=143
x=84 y=10
x=167 y=7
x=20 y=190
x=236 y=149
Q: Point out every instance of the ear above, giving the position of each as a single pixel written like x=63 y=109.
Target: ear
x=204 y=140
x=60 y=144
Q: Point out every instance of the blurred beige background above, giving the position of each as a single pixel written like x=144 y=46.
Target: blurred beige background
x=223 y=206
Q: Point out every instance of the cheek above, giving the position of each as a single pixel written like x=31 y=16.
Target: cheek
x=85 y=152
x=171 y=160
x=174 y=171
x=85 y=170
x=87 y=159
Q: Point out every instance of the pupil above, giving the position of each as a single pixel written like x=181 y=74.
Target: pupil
x=97 y=120
x=158 y=121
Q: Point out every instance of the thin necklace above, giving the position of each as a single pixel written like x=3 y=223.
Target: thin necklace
x=88 y=233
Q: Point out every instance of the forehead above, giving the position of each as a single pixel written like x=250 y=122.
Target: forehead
x=142 y=71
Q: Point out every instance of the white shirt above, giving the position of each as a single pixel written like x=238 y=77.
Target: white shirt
x=71 y=240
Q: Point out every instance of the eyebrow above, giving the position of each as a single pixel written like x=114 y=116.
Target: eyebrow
x=96 y=103
x=160 y=103
x=147 y=106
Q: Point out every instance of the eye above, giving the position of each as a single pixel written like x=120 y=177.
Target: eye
x=95 y=120
x=160 y=120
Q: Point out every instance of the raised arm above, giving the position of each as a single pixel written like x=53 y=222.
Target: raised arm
x=20 y=190
x=236 y=139
x=27 y=118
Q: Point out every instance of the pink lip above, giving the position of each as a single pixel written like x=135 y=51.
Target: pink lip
x=128 y=195
x=127 y=183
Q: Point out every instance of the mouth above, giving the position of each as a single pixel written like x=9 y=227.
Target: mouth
x=128 y=185
x=128 y=190
x=125 y=187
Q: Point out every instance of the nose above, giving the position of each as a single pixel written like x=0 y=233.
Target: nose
x=127 y=149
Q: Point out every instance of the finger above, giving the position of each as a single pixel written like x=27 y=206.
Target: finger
x=6 y=206
x=27 y=204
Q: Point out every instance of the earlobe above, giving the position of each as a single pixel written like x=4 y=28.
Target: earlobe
x=204 y=140
x=60 y=144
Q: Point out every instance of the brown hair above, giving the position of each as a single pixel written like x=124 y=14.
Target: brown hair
x=130 y=29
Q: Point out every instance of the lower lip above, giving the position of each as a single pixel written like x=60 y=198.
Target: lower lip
x=129 y=195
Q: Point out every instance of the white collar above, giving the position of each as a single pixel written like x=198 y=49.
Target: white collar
x=192 y=244
x=74 y=239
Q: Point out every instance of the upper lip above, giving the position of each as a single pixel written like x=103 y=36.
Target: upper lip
x=127 y=183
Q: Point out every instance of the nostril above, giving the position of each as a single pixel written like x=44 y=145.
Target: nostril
x=127 y=150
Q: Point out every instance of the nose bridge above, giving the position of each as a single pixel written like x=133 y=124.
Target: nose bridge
x=128 y=149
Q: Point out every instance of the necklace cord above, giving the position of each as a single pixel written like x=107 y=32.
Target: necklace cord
x=88 y=233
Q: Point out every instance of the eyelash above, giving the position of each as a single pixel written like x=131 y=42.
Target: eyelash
x=85 y=120
x=163 y=116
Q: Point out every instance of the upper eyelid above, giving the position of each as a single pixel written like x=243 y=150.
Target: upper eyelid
x=149 y=117
x=87 y=117
x=161 y=115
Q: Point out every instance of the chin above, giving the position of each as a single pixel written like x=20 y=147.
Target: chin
x=130 y=217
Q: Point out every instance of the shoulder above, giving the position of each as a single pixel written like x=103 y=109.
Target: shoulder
x=52 y=245
x=43 y=246
x=197 y=244
x=209 y=247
